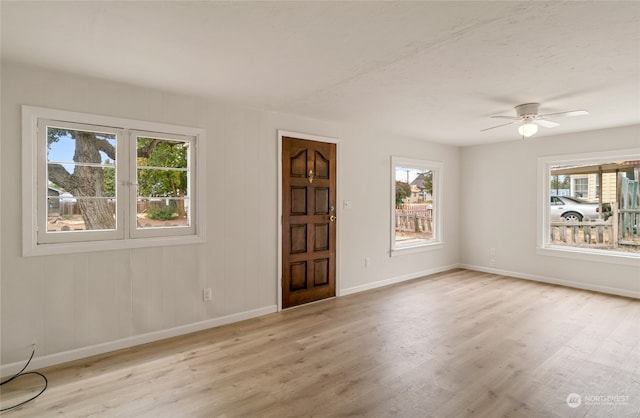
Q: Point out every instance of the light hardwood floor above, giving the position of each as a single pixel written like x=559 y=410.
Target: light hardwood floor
x=455 y=344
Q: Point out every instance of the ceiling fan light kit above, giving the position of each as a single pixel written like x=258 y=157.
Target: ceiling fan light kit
x=529 y=119
x=528 y=129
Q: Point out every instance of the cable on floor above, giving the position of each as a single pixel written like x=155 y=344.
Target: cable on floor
x=23 y=373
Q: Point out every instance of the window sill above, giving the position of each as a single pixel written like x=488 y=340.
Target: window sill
x=604 y=256
x=418 y=248
x=83 y=247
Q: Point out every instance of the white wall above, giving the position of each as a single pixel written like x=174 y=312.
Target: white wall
x=81 y=304
x=498 y=196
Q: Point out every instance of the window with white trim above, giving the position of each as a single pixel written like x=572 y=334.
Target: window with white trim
x=590 y=206
x=416 y=196
x=581 y=187
x=93 y=182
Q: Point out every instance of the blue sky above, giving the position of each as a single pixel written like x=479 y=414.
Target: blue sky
x=63 y=150
x=401 y=174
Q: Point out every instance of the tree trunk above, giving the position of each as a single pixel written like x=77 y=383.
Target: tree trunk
x=182 y=213
x=89 y=182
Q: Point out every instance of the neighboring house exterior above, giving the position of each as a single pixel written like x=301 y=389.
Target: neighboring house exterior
x=584 y=180
x=63 y=203
x=418 y=194
x=54 y=204
x=586 y=187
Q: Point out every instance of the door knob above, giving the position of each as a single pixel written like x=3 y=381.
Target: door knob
x=332 y=218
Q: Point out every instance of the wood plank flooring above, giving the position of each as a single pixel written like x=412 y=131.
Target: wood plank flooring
x=455 y=344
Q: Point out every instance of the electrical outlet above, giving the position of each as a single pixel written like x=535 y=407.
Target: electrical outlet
x=367 y=262
x=207 y=295
x=492 y=263
x=492 y=252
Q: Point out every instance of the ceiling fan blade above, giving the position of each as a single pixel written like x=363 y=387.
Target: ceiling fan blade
x=546 y=123
x=499 y=126
x=506 y=117
x=570 y=113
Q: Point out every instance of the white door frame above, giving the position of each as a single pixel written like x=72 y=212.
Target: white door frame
x=309 y=137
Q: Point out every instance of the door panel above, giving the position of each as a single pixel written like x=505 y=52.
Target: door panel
x=321 y=272
x=298 y=239
x=322 y=201
x=298 y=276
x=298 y=201
x=299 y=164
x=321 y=234
x=321 y=166
x=308 y=218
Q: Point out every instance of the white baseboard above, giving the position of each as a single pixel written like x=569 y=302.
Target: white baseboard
x=568 y=283
x=79 y=353
x=397 y=279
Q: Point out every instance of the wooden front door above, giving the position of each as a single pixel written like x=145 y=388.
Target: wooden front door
x=308 y=221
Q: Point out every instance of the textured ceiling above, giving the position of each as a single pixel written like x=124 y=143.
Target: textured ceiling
x=432 y=70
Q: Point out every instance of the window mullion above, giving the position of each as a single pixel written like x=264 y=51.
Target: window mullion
x=124 y=169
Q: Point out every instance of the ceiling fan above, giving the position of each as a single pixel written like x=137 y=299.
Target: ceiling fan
x=529 y=119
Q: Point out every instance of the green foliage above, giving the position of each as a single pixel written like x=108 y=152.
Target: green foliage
x=109 y=180
x=403 y=190
x=165 y=213
x=154 y=179
x=54 y=134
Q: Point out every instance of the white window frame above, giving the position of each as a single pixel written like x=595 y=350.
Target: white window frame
x=126 y=235
x=575 y=180
x=544 y=247
x=42 y=185
x=437 y=168
x=133 y=195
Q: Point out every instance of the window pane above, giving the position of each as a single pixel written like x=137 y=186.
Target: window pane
x=69 y=145
x=81 y=180
x=414 y=210
x=581 y=186
x=595 y=206
x=161 y=213
x=154 y=152
x=163 y=183
x=67 y=213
